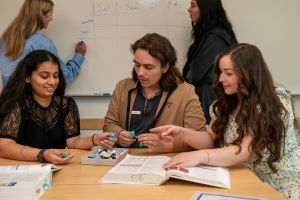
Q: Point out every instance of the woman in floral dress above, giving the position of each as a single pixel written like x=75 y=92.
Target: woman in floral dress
x=252 y=123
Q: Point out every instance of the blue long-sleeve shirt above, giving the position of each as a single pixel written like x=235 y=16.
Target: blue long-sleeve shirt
x=39 y=41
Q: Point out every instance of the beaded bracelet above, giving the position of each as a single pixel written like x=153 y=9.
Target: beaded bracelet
x=93 y=139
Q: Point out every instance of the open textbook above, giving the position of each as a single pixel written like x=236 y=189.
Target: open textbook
x=148 y=170
x=25 y=181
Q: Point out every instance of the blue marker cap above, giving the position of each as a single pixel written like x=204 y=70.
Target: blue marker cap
x=46 y=185
x=132 y=133
x=93 y=156
x=112 y=135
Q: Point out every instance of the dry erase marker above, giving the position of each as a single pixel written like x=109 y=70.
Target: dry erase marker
x=94 y=156
x=105 y=94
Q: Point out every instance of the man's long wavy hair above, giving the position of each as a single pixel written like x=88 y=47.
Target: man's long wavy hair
x=160 y=48
x=260 y=108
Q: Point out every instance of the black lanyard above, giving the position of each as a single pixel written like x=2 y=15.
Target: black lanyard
x=159 y=113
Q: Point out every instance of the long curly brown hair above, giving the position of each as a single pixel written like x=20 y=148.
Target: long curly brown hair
x=260 y=108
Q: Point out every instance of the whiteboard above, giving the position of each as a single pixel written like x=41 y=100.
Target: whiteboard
x=110 y=26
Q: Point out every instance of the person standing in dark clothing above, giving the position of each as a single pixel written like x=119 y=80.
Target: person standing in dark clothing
x=212 y=33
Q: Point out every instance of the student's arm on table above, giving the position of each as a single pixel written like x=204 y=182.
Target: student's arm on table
x=12 y=150
x=224 y=156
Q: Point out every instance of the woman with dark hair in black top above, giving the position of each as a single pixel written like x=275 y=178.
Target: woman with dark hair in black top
x=212 y=32
x=36 y=119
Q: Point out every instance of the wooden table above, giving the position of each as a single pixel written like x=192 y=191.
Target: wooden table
x=75 y=181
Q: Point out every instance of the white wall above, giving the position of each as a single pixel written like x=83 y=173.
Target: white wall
x=271 y=25
x=296 y=100
x=92 y=107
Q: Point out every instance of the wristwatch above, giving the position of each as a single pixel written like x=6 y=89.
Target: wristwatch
x=40 y=156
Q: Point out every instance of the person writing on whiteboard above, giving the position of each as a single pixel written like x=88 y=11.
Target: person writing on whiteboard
x=22 y=36
x=212 y=33
x=155 y=95
x=252 y=123
x=36 y=119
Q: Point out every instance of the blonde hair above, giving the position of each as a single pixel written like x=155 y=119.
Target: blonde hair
x=28 y=21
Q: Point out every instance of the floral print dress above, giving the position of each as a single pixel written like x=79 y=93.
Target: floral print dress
x=287 y=178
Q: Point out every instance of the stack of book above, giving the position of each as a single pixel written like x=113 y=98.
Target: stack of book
x=26 y=182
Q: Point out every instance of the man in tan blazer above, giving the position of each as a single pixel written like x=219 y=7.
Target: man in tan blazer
x=155 y=95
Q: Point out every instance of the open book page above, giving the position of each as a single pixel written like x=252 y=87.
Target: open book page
x=148 y=170
x=30 y=168
x=215 y=196
x=215 y=176
x=26 y=168
x=138 y=170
